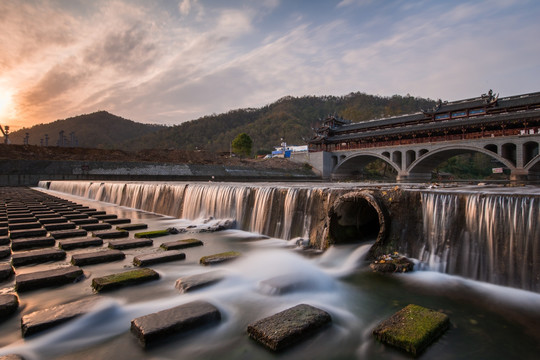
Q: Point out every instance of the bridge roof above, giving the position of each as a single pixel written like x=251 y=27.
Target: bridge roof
x=445 y=124
x=517 y=101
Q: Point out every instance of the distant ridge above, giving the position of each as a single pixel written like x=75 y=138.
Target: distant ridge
x=96 y=130
x=289 y=118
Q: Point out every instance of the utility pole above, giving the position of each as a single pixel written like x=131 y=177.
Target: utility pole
x=5 y=131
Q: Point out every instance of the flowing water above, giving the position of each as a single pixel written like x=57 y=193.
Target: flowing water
x=488 y=321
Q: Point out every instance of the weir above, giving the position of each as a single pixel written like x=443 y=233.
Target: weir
x=490 y=237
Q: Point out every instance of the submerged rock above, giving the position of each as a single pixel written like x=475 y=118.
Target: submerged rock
x=197 y=281
x=392 y=263
x=45 y=319
x=412 y=329
x=9 y=303
x=154 y=327
x=285 y=328
x=219 y=258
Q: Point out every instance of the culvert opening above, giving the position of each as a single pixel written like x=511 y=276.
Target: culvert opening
x=356 y=217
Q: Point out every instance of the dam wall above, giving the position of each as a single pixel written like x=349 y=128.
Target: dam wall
x=30 y=172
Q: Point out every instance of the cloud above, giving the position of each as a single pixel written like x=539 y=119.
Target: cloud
x=171 y=62
x=28 y=34
x=128 y=50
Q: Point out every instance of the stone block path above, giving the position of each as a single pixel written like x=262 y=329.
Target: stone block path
x=48 y=242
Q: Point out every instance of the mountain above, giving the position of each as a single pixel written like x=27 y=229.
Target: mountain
x=96 y=130
x=290 y=118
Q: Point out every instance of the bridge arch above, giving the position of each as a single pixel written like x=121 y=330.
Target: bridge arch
x=533 y=166
x=426 y=163
x=352 y=164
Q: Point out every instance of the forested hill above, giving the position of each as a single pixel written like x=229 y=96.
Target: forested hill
x=290 y=118
x=96 y=130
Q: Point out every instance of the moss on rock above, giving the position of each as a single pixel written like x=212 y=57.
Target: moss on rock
x=412 y=329
x=219 y=258
x=152 y=234
x=131 y=277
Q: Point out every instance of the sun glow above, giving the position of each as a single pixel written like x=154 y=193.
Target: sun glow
x=7 y=108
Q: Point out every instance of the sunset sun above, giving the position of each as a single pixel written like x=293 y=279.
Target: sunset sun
x=6 y=104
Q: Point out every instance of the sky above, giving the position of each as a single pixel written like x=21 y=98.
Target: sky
x=167 y=62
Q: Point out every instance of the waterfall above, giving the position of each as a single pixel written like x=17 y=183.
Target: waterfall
x=487 y=237
x=281 y=212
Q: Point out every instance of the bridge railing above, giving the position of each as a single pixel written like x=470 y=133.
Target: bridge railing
x=427 y=139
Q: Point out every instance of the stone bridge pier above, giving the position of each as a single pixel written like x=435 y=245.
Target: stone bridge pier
x=415 y=162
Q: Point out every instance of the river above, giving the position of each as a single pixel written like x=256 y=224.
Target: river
x=487 y=320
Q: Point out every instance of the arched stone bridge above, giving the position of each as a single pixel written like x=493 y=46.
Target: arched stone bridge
x=415 y=162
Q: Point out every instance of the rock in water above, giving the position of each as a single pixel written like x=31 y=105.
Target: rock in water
x=412 y=329
x=288 y=327
x=392 y=263
x=153 y=327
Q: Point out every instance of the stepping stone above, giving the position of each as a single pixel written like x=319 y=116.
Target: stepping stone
x=151 y=328
x=132 y=277
x=197 y=281
x=29 y=243
x=130 y=243
x=110 y=234
x=79 y=243
x=14 y=219
x=284 y=284
x=47 y=278
x=412 y=329
x=4 y=240
x=76 y=216
x=97 y=257
x=219 y=258
x=152 y=234
x=5 y=251
x=16 y=234
x=60 y=226
x=93 y=227
x=24 y=226
x=130 y=227
x=118 y=221
x=37 y=256
x=63 y=234
x=53 y=220
x=68 y=212
x=181 y=244
x=45 y=319
x=85 y=221
x=104 y=216
x=9 y=303
x=156 y=258
x=45 y=217
x=288 y=327
x=5 y=271
x=11 y=357
x=93 y=212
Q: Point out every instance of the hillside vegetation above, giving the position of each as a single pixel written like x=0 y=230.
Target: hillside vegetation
x=97 y=130
x=290 y=118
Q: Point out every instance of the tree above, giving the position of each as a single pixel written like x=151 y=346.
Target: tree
x=242 y=144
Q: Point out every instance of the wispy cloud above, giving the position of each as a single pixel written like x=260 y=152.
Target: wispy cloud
x=164 y=62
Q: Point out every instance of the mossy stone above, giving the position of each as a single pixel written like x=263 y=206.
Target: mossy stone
x=152 y=234
x=412 y=329
x=132 y=277
x=219 y=258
